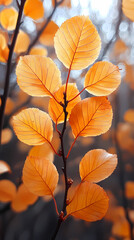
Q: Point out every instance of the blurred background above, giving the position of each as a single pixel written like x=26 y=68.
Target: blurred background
x=38 y=221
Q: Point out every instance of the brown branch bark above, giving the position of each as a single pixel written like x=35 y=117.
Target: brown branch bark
x=7 y=79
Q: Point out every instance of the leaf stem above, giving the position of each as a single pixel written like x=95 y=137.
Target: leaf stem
x=7 y=78
x=77 y=94
x=71 y=147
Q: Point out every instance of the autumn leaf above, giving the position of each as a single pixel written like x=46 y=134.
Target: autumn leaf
x=23 y=199
x=7 y=191
x=5 y=2
x=65 y=3
x=6 y=135
x=128 y=9
x=33 y=126
x=4 y=50
x=89 y=203
x=38 y=51
x=47 y=37
x=4 y=167
x=22 y=42
x=34 y=9
x=129 y=116
x=40 y=176
x=38 y=76
x=102 y=79
x=91 y=117
x=42 y=151
x=77 y=43
x=56 y=110
x=129 y=189
x=97 y=165
x=8 y=18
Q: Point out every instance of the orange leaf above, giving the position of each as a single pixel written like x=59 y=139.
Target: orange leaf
x=43 y=151
x=3 y=42
x=121 y=229
x=5 y=2
x=4 y=54
x=34 y=9
x=8 y=18
x=47 y=37
x=40 y=176
x=38 y=76
x=129 y=116
x=33 y=126
x=56 y=110
x=6 y=135
x=77 y=43
x=4 y=167
x=97 y=165
x=7 y=191
x=38 y=51
x=128 y=9
x=91 y=117
x=23 y=199
x=102 y=79
x=89 y=203
x=129 y=189
x=22 y=42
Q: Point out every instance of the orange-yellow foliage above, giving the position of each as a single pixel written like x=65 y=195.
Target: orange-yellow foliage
x=47 y=37
x=7 y=191
x=8 y=18
x=34 y=9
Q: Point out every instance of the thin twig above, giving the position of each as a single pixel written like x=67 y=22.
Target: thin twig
x=7 y=79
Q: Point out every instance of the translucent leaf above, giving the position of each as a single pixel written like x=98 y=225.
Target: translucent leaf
x=38 y=51
x=91 y=117
x=129 y=189
x=77 y=43
x=43 y=151
x=97 y=165
x=47 y=37
x=8 y=18
x=128 y=9
x=23 y=199
x=4 y=54
x=5 y=2
x=38 y=76
x=121 y=229
x=33 y=126
x=34 y=9
x=22 y=42
x=7 y=191
x=40 y=176
x=4 y=167
x=56 y=110
x=102 y=79
x=6 y=135
x=89 y=203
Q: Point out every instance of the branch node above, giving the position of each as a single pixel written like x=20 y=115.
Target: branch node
x=69 y=182
x=61 y=216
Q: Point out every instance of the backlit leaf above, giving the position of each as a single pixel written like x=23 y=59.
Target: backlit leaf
x=23 y=199
x=4 y=51
x=89 y=203
x=128 y=9
x=77 y=43
x=129 y=189
x=91 y=117
x=43 y=151
x=47 y=37
x=102 y=79
x=38 y=51
x=56 y=110
x=5 y=2
x=129 y=116
x=34 y=9
x=22 y=42
x=4 y=54
x=40 y=176
x=97 y=165
x=38 y=76
x=7 y=191
x=8 y=18
x=65 y=3
x=33 y=126
x=4 y=167
x=6 y=135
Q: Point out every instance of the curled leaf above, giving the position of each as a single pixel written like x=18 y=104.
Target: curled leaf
x=91 y=117
x=89 y=203
x=33 y=126
x=97 y=165
x=102 y=78
x=77 y=43
x=38 y=76
x=40 y=176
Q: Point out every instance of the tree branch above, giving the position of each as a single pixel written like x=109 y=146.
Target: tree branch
x=7 y=79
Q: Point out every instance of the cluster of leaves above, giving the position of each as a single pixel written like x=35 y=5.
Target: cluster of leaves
x=77 y=45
